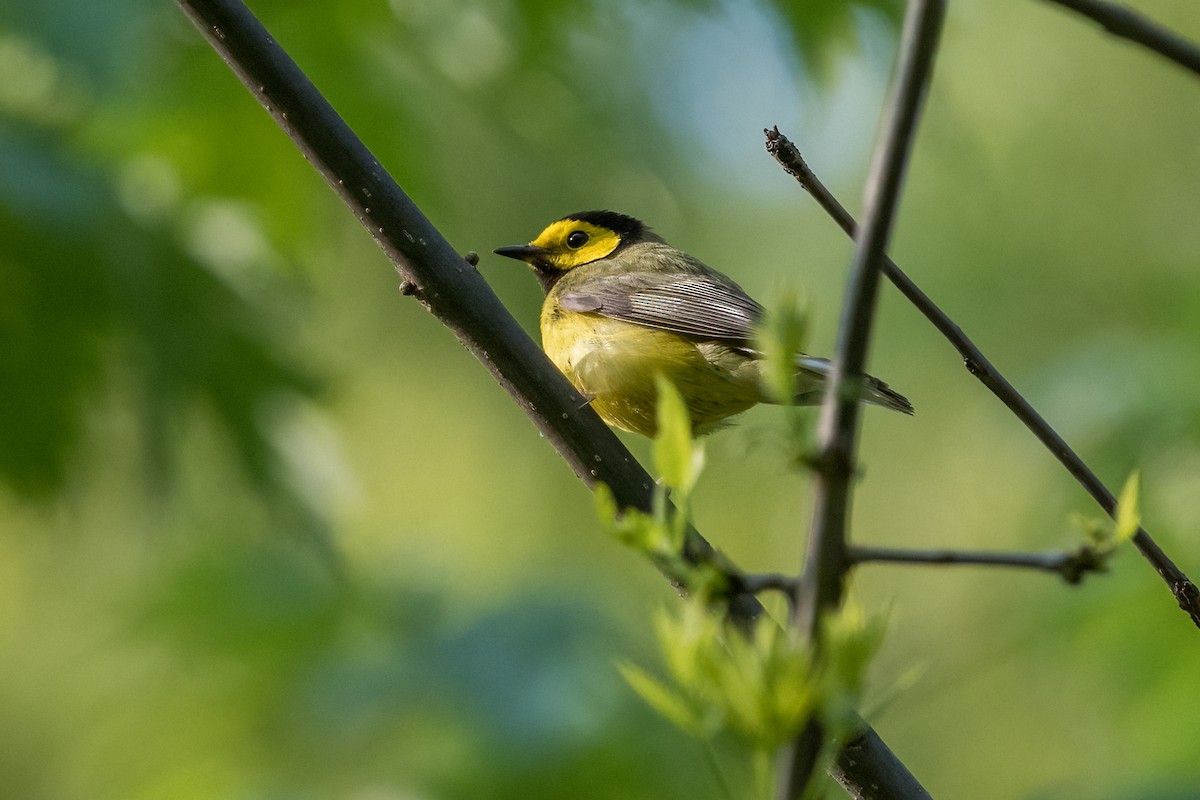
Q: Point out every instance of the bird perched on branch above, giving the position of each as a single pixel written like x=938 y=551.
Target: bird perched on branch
x=623 y=306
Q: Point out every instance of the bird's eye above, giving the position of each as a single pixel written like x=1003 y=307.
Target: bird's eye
x=577 y=239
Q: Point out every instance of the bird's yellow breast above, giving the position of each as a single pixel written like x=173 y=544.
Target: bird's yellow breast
x=614 y=364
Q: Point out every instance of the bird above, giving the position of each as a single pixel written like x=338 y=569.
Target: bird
x=623 y=307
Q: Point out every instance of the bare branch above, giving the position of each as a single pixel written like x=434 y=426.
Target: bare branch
x=820 y=588
x=1186 y=593
x=1070 y=565
x=1122 y=21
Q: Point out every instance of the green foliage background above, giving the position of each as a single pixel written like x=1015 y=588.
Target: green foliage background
x=267 y=531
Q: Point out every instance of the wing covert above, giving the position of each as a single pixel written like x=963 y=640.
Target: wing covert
x=692 y=304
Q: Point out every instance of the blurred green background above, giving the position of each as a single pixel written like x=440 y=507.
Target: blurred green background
x=267 y=531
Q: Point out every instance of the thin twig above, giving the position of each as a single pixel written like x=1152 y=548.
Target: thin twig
x=820 y=588
x=1122 y=21
x=1185 y=592
x=1070 y=565
x=455 y=293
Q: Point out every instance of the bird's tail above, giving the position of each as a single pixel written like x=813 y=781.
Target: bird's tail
x=811 y=386
x=879 y=393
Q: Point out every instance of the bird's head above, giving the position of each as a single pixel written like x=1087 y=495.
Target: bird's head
x=578 y=239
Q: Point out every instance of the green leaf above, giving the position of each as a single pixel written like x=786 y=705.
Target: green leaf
x=676 y=457
x=781 y=338
x=767 y=684
x=1128 y=515
x=685 y=639
x=665 y=701
x=851 y=642
x=630 y=527
x=606 y=506
x=761 y=685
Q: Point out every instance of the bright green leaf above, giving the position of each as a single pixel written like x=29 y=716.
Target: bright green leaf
x=1128 y=514
x=851 y=640
x=676 y=457
x=606 y=506
x=630 y=527
x=761 y=685
x=686 y=639
x=781 y=338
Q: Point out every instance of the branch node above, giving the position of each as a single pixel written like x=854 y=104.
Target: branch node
x=1077 y=563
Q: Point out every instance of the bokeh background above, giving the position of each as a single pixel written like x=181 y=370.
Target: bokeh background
x=267 y=531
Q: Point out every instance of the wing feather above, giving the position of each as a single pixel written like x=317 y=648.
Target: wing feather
x=694 y=301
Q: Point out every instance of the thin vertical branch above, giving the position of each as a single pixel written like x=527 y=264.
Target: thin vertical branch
x=820 y=588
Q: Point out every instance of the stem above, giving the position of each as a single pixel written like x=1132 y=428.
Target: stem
x=820 y=587
x=1070 y=565
x=1186 y=593
x=1122 y=21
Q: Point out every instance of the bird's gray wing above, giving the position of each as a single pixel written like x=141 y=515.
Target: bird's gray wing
x=701 y=304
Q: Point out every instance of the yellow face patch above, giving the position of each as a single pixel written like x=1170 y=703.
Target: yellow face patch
x=571 y=242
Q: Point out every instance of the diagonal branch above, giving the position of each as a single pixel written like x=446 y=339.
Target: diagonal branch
x=1122 y=21
x=451 y=289
x=820 y=587
x=1186 y=593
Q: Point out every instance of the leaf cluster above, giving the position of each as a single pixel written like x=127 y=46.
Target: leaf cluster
x=1102 y=536
x=759 y=684
x=662 y=535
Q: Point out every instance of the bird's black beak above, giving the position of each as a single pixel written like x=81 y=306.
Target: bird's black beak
x=522 y=252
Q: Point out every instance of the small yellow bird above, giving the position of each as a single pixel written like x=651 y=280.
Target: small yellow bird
x=623 y=306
